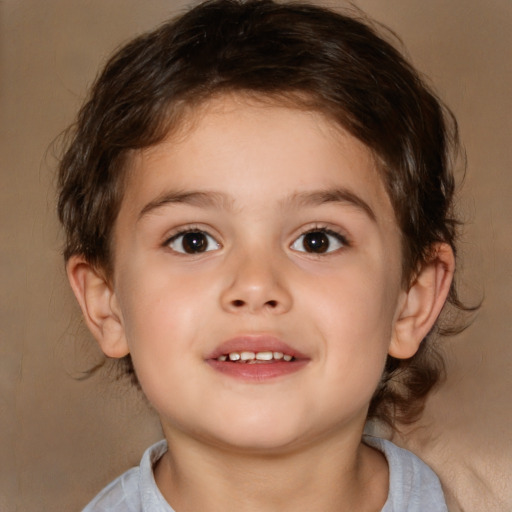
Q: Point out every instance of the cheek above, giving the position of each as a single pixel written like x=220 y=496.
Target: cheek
x=153 y=312
x=157 y=295
x=359 y=299
x=166 y=315
x=354 y=316
x=160 y=332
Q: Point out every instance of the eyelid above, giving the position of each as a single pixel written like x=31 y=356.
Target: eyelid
x=183 y=229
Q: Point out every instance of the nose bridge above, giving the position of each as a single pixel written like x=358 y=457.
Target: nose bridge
x=256 y=282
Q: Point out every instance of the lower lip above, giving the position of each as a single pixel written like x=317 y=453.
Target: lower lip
x=257 y=371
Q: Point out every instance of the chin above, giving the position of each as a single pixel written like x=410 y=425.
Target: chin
x=262 y=435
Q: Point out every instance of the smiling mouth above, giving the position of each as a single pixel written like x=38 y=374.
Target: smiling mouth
x=256 y=359
x=247 y=357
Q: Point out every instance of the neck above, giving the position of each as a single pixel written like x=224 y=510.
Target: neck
x=332 y=475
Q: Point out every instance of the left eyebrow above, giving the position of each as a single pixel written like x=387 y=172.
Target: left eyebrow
x=336 y=195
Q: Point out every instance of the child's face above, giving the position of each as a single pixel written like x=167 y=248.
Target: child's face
x=290 y=246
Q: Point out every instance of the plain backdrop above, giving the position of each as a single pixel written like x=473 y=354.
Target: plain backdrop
x=62 y=438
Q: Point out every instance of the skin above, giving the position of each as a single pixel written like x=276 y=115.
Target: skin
x=266 y=176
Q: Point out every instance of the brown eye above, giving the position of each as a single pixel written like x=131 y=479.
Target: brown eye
x=318 y=242
x=193 y=242
x=315 y=242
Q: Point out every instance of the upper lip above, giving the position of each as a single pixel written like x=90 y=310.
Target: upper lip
x=255 y=343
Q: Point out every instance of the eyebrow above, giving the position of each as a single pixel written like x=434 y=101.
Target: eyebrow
x=218 y=199
x=335 y=195
x=193 y=198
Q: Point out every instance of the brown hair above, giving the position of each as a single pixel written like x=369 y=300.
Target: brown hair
x=297 y=53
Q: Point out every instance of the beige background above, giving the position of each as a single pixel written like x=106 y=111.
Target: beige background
x=62 y=439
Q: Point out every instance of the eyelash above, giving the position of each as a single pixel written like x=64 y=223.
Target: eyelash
x=341 y=239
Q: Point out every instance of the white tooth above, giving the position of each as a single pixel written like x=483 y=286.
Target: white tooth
x=234 y=356
x=287 y=357
x=247 y=356
x=278 y=355
x=222 y=358
x=264 y=356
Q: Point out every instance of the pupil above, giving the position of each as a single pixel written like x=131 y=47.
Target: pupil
x=194 y=242
x=316 y=242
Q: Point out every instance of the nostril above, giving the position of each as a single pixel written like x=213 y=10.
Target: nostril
x=240 y=305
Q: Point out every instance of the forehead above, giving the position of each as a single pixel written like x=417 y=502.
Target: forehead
x=252 y=150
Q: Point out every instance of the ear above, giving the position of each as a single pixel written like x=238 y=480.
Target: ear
x=99 y=306
x=423 y=302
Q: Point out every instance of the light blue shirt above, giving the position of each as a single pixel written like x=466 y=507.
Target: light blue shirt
x=413 y=486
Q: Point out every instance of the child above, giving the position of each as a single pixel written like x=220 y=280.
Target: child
x=258 y=208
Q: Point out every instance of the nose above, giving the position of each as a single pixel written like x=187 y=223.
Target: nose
x=256 y=284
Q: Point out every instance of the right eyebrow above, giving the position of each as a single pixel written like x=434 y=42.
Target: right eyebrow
x=194 y=198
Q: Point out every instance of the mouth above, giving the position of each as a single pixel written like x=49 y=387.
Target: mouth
x=256 y=358
x=264 y=357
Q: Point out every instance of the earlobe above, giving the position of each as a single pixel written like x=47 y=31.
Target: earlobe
x=99 y=306
x=423 y=302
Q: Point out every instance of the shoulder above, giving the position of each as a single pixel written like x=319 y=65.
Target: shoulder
x=121 y=494
x=413 y=486
x=135 y=490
